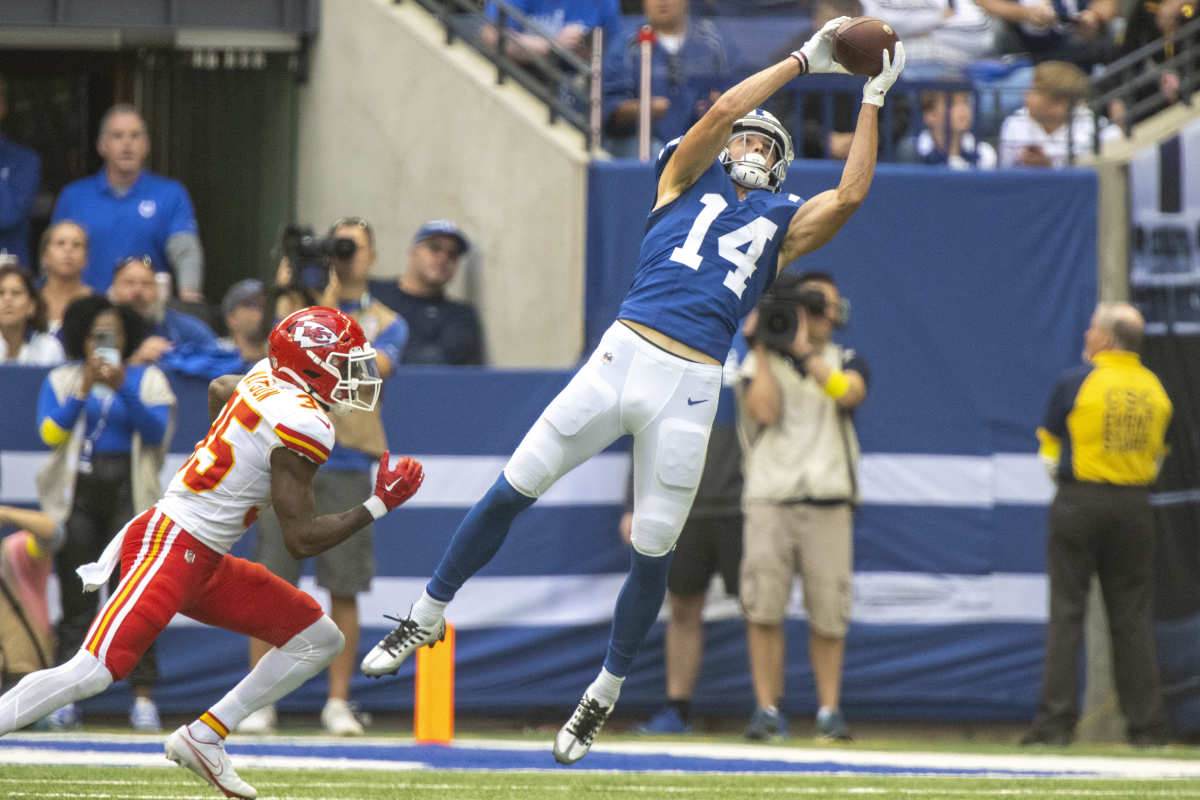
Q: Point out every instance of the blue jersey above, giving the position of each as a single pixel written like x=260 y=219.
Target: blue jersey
x=554 y=15
x=706 y=259
x=134 y=223
x=20 y=175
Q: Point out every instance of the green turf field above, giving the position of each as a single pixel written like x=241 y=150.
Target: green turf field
x=87 y=783
x=305 y=765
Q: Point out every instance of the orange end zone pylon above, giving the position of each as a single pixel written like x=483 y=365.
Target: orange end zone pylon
x=433 y=719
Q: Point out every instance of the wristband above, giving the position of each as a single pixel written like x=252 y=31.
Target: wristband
x=801 y=59
x=375 y=507
x=837 y=385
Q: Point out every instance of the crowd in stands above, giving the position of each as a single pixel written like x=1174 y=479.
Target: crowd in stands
x=130 y=236
x=985 y=56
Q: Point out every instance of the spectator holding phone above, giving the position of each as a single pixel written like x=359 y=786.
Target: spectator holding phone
x=1054 y=126
x=108 y=423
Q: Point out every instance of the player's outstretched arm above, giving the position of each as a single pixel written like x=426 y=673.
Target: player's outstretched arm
x=305 y=534
x=219 y=391
x=703 y=142
x=822 y=216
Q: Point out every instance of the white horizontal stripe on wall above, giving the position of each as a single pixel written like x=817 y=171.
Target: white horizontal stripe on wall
x=885 y=479
x=967 y=481
x=891 y=598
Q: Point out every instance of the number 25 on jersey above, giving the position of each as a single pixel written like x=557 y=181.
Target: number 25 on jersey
x=216 y=449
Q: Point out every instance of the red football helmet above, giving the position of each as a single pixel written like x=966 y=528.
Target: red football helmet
x=326 y=353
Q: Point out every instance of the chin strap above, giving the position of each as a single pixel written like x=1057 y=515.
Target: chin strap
x=751 y=172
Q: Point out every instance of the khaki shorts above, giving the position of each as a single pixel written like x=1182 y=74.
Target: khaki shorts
x=814 y=541
x=345 y=569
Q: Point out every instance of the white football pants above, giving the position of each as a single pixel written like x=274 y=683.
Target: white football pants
x=629 y=385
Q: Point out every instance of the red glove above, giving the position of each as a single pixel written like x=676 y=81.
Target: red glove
x=394 y=485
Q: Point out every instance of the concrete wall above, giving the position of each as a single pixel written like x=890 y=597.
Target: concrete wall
x=397 y=127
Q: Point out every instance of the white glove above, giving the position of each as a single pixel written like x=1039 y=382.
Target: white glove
x=877 y=87
x=816 y=55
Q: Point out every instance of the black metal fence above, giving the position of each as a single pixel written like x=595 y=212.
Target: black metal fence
x=819 y=107
x=558 y=77
x=1133 y=80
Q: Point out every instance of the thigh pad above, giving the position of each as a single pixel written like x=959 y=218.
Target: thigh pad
x=584 y=398
x=679 y=456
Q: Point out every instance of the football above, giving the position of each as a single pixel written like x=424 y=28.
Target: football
x=859 y=43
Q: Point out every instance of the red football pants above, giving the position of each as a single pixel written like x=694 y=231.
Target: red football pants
x=165 y=570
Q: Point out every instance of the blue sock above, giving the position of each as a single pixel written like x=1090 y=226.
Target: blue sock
x=478 y=538
x=638 y=605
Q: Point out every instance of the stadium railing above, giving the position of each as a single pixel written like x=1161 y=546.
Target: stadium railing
x=1133 y=78
x=570 y=87
x=559 y=78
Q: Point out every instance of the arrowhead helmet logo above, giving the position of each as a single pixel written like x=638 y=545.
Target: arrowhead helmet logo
x=312 y=334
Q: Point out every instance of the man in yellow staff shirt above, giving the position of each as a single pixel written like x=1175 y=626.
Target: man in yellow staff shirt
x=1103 y=441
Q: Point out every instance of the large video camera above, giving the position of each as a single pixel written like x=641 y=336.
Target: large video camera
x=309 y=254
x=778 y=316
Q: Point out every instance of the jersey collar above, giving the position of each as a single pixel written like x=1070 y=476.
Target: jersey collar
x=1116 y=357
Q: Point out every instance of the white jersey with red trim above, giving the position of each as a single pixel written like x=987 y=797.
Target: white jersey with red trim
x=219 y=491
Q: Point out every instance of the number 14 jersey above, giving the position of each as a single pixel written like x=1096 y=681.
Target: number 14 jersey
x=220 y=489
x=706 y=259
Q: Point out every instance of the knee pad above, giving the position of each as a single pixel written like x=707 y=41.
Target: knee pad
x=88 y=674
x=528 y=472
x=318 y=643
x=39 y=693
x=678 y=460
x=534 y=465
x=653 y=537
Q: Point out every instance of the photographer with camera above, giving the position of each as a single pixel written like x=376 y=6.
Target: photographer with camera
x=345 y=256
x=795 y=401
x=108 y=422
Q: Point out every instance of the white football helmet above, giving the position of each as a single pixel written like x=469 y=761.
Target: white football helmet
x=751 y=169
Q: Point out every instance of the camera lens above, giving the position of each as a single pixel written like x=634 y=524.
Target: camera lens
x=344 y=247
x=779 y=322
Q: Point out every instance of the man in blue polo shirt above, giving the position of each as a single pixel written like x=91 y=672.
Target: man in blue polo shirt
x=20 y=172
x=128 y=211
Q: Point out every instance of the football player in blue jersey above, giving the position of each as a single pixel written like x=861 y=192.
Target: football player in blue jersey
x=713 y=244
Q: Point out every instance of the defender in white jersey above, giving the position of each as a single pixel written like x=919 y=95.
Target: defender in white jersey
x=217 y=496
x=264 y=446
